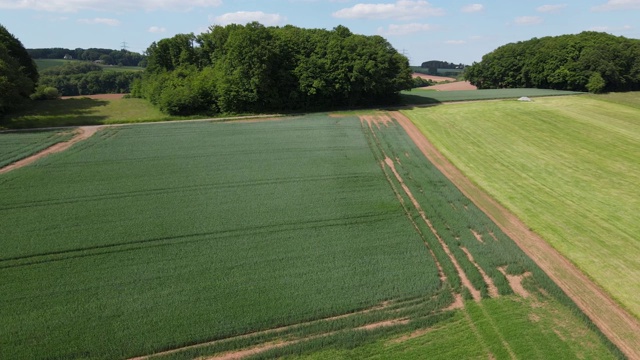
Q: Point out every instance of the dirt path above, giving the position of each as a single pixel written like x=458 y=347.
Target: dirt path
x=82 y=133
x=618 y=325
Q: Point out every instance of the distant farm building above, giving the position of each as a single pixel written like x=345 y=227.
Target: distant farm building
x=68 y=57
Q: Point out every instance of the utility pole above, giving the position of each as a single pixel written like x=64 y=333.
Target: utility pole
x=406 y=54
x=124 y=45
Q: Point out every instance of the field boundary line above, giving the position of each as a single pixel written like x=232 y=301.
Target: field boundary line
x=615 y=323
x=82 y=133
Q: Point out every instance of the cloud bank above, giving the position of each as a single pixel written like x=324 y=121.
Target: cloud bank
x=400 y=10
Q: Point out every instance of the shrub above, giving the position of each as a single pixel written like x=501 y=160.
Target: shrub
x=45 y=93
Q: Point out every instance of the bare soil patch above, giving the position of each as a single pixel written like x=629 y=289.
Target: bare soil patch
x=96 y=97
x=515 y=281
x=618 y=325
x=433 y=77
x=458 y=303
x=454 y=86
x=83 y=133
x=477 y=236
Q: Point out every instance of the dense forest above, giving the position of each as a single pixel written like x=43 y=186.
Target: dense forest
x=18 y=72
x=87 y=78
x=253 y=68
x=107 y=56
x=589 y=61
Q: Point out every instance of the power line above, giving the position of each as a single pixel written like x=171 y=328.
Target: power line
x=124 y=45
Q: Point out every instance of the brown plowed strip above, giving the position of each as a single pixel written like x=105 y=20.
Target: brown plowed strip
x=240 y=354
x=435 y=78
x=83 y=133
x=618 y=325
x=515 y=281
x=454 y=86
x=384 y=324
x=491 y=287
x=477 y=236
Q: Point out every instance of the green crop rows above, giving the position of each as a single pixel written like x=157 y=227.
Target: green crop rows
x=15 y=146
x=149 y=238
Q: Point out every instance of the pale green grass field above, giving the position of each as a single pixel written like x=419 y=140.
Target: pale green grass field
x=85 y=111
x=569 y=167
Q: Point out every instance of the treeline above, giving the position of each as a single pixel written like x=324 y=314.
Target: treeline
x=107 y=56
x=253 y=68
x=437 y=64
x=589 y=61
x=18 y=72
x=86 y=78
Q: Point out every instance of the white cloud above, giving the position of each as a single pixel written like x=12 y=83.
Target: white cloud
x=157 y=29
x=243 y=17
x=106 y=5
x=455 y=42
x=618 y=5
x=404 y=29
x=611 y=29
x=528 y=20
x=400 y=10
x=100 y=21
x=473 y=8
x=551 y=8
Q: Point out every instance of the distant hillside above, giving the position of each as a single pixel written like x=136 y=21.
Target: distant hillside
x=105 y=56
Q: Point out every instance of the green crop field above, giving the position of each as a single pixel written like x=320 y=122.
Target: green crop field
x=15 y=146
x=149 y=238
x=428 y=97
x=567 y=166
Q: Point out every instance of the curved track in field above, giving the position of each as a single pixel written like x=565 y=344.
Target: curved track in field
x=82 y=133
x=617 y=324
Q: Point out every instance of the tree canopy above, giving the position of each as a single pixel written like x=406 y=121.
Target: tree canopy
x=253 y=68
x=87 y=78
x=18 y=72
x=589 y=61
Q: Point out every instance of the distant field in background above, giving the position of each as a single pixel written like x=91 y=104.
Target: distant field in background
x=441 y=72
x=15 y=146
x=567 y=166
x=427 y=97
x=154 y=237
x=84 y=111
x=44 y=64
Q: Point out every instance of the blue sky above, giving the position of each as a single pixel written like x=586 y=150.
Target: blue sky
x=455 y=31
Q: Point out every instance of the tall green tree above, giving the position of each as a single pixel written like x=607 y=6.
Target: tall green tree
x=253 y=68
x=589 y=61
x=18 y=72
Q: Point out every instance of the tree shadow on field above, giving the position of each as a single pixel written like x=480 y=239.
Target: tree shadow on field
x=413 y=99
x=56 y=113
